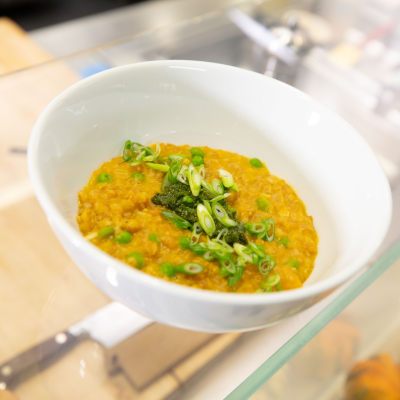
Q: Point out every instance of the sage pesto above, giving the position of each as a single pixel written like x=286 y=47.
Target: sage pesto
x=172 y=199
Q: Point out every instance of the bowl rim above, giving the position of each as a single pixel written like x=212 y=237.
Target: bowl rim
x=57 y=219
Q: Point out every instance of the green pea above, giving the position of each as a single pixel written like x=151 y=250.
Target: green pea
x=138 y=176
x=105 y=232
x=187 y=199
x=196 y=151
x=263 y=204
x=139 y=259
x=154 y=238
x=197 y=161
x=255 y=162
x=167 y=269
x=184 y=242
x=105 y=177
x=283 y=241
x=293 y=263
x=123 y=237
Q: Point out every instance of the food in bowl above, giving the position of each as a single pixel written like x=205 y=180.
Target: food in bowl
x=199 y=217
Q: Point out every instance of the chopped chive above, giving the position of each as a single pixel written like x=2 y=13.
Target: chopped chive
x=205 y=219
x=239 y=249
x=218 y=187
x=207 y=186
x=234 y=187
x=177 y=155
x=270 y=224
x=266 y=264
x=226 y=177
x=189 y=268
x=207 y=205
x=208 y=255
x=270 y=281
x=232 y=280
x=219 y=211
x=198 y=249
x=138 y=257
x=184 y=242
x=159 y=167
x=258 y=249
x=197 y=161
x=165 y=183
x=263 y=204
x=202 y=171
x=194 y=180
x=196 y=151
x=228 y=222
x=105 y=232
x=284 y=241
x=182 y=176
x=105 y=178
x=256 y=163
x=178 y=221
x=123 y=237
x=187 y=199
x=293 y=263
x=255 y=228
x=174 y=170
x=222 y=196
x=168 y=269
x=154 y=238
x=138 y=176
x=196 y=233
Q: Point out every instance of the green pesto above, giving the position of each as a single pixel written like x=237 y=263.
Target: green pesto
x=172 y=199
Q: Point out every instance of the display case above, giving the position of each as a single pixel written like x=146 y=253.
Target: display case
x=307 y=357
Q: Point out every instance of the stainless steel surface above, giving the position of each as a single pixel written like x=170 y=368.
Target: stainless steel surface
x=85 y=33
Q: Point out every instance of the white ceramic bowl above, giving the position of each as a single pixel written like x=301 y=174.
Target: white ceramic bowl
x=185 y=102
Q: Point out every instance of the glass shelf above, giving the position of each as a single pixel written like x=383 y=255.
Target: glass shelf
x=48 y=293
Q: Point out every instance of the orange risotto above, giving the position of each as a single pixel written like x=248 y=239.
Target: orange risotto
x=199 y=217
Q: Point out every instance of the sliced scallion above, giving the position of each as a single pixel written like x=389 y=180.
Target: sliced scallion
x=266 y=264
x=228 y=264
x=194 y=180
x=202 y=171
x=184 y=242
x=189 y=268
x=255 y=228
x=177 y=155
x=181 y=176
x=258 y=249
x=226 y=177
x=205 y=219
x=234 y=187
x=198 y=249
x=239 y=249
x=159 y=167
x=196 y=233
x=208 y=255
x=232 y=280
x=219 y=211
x=284 y=241
x=165 y=183
x=270 y=224
x=220 y=197
x=269 y=282
x=207 y=186
x=174 y=170
x=228 y=222
x=207 y=205
x=179 y=222
x=218 y=187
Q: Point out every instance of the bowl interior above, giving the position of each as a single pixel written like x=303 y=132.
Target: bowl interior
x=329 y=165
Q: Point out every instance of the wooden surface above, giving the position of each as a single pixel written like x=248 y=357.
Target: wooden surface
x=17 y=49
x=41 y=291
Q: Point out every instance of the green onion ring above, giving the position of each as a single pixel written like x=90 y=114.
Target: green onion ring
x=258 y=249
x=207 y=205
x=181 y=176
x=208 y=255
x=159 y=167
x=219 y=211
x=268 y=224
x=229 y=265
x=178 y=221
x=205 y=219
x=196 y=233
x=222 y=196
x=218 y=187
x=207 y=186
x=177 y=155
x=226 y=177
x=202 y=171
x=239 y=249
x=270 y=281
x=228 y=222
x=165 y=182
x=266 y=264
x=255 y=228
x=194 y=180
x=174 y=170
x=189 y=268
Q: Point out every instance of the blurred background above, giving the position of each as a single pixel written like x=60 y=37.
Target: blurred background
x=344 y=53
